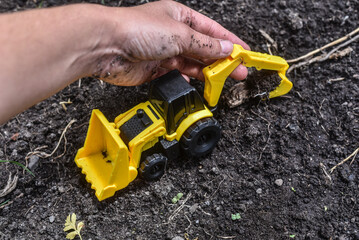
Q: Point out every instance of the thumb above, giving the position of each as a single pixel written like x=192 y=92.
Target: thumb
x=201 y=46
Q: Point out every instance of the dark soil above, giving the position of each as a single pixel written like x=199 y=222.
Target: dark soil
x=268 y=165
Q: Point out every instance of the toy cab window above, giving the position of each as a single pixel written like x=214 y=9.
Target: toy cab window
x=196 y=103
x=159 y=104
x=179 y=110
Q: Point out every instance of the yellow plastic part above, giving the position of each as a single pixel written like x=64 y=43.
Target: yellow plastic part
x=191 y=119
x=171 y=137
x=217 y=73
x=104 y=158
x=147 y=138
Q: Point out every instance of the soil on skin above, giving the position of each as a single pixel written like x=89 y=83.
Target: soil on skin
x=269 y=165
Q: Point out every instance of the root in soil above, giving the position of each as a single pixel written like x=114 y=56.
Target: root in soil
x=257 y=85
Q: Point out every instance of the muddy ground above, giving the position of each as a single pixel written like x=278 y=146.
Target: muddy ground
x=268 y=166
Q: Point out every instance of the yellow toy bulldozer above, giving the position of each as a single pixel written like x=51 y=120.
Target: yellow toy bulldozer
x=173 y=121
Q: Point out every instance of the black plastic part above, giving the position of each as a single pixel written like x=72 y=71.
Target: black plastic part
x=134 y=126
x=153 y=167
x=171 y=148
x=174 y=98
x=201 y=138
x=214 y=109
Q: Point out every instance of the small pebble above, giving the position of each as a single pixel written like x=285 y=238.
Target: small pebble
x=178 y=238
x=33 y=162
x=193 y=208
x=279 y=182
x=52 y=219
x=259 y=191
x=61 y=189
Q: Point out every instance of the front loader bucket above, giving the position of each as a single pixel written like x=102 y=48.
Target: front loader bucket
x=104 y=158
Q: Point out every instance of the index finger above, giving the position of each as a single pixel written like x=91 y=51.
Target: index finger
x=207 y=26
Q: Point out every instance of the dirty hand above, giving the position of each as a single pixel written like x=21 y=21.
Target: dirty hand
x=51 y=48
x=146 y=41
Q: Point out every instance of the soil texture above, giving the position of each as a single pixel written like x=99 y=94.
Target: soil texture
x=271 y=166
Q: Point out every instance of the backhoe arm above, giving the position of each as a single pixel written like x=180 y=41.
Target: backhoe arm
x=217 y=73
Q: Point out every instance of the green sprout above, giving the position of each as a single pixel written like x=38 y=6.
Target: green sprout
x=292 y=236
x=177 y=198
x=236 y=216
x=19 y=164
x=325 y=208
x=41 y=3
x=3 y=203
x=293 y=189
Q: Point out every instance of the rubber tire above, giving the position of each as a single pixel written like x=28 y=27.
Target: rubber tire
x=153 y=167
x=201 y=138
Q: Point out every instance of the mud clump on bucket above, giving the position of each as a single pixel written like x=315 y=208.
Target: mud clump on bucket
x=257 y=85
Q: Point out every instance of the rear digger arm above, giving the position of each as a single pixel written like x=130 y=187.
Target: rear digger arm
x=217 y=73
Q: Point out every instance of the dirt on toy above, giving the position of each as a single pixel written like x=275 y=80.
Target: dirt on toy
x=268 y=178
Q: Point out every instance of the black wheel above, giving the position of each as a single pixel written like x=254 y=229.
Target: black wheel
x=153 y=167
x=201 y=138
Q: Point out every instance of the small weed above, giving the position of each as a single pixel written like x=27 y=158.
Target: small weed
x=41 y=3
x=292 y=236
x=293 y=189
x=186 y=236
x=177 y=198
x=325 y=208
x=70 y=224
x=3 y=203
x=19 y=164
x=236 y=216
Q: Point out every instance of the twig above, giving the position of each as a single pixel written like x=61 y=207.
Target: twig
x=269 y=133
x=46 y=155
x=335 y=79
x=175 y=212
x=10 y=186
x=353 y=155
x=63 y=104
x=324 y=47
x=10 y=202
x=341 y=54
x=346 y=51
x=269 y=39
x=324 y=169
x=224 y=178
x=190 y=223
x=208 y=214
x=322 y=58
x=226 y=237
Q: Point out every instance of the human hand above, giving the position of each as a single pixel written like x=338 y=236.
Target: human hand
x=141 y=43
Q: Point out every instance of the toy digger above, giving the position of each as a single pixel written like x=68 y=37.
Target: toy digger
x=173 y=121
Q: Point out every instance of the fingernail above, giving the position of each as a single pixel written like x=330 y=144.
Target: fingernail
x=227 y=47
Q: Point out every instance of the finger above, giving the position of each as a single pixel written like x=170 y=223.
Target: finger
x=160 y=71
x=189 y=67
x=200 y=46
x=205 y=25
x=239 y=73
x=186 y=77
x=194 y=68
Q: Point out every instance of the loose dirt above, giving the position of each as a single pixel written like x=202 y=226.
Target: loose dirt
x=271 y=165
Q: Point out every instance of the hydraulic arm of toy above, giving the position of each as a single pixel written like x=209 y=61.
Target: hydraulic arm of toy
x=217 y=73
